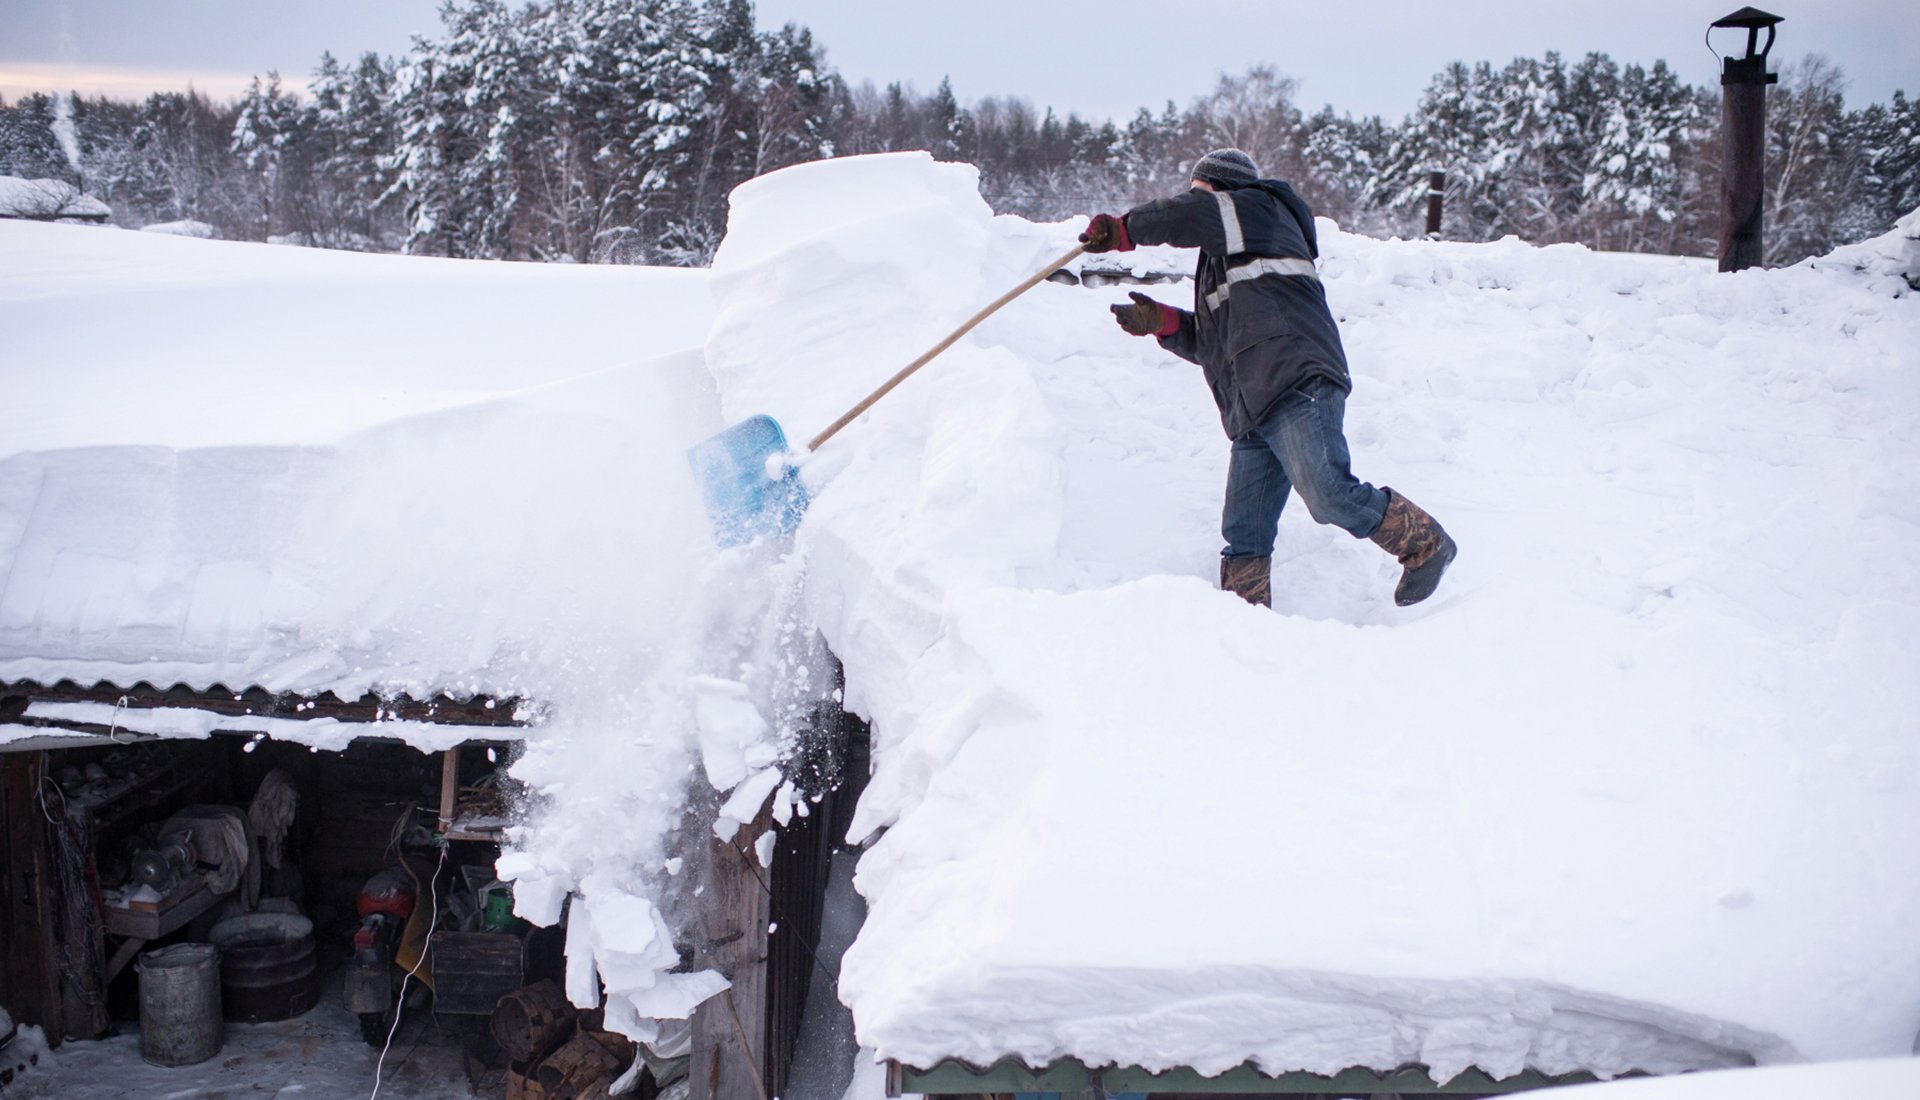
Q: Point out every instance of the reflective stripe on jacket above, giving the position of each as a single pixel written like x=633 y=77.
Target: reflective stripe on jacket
x=1260 y=324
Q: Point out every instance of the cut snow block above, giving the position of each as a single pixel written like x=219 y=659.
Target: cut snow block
x=751 y=491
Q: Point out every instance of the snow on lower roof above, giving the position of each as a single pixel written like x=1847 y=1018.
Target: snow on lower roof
x=47 y=200
x=1639 y=789
x=311 y=471
x=31 y=712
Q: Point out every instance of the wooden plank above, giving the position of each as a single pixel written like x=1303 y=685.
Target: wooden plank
x=485 y=836
x=449 y=786
x=188 y=900
x=128 y=948
x=33 y=991
x=729 y=1061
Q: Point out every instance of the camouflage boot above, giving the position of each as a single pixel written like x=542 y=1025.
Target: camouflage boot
x=1247 y=579
x=1422 y=545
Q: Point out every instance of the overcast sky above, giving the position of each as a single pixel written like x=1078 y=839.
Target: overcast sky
x=1103 y=59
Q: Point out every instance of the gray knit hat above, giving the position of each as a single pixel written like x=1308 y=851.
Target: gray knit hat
x=1226 y=166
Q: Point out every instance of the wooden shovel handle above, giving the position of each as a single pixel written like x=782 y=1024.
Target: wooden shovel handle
x=887 y=387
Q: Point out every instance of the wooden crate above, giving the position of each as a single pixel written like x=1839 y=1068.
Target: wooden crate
x=473 y=970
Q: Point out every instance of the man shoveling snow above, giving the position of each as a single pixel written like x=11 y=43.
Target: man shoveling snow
x=1261 y=330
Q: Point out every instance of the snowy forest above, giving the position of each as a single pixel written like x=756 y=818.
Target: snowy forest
x=610 y=131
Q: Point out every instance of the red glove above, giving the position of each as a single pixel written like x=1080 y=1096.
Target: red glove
x=1146 y=317
x=1107 y=233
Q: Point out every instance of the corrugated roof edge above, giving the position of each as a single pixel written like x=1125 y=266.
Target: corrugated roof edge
x=1072 y=1079
x=483 y=714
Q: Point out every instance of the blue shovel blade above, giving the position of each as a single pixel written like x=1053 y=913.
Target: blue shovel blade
x=744 y=501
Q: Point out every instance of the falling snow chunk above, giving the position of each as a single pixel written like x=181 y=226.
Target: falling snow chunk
x=744 y=804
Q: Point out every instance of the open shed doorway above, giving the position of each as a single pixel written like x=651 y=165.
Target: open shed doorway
x=318 y=874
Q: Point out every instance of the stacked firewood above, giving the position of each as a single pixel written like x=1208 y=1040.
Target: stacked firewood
x=556 y=1051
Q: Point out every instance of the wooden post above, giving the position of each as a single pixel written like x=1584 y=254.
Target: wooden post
x=449 y=787
x=729 y=1053
x=1436 y=193
x=26 y=925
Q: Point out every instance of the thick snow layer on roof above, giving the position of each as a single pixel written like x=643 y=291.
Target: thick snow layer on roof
x=313 y=471
x=1638 y=789
x=25 y=198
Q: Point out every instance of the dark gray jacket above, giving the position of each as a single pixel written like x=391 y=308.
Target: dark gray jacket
x=1260 y=324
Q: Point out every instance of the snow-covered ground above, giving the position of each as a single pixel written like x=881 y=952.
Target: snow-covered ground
x=1638 y=789
x=317 y=1054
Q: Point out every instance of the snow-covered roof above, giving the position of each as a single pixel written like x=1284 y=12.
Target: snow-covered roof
x=48 y=200
x=34 y=715
x=319 y=472
x=1636 y=790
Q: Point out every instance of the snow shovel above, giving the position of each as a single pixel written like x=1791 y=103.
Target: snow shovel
x=752 y=486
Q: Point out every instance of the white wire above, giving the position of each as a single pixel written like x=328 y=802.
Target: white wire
x=400 y=1006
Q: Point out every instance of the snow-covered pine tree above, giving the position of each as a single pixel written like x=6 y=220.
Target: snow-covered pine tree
x=944 y=127
x=113 y=170
x=28 y=147
x=508 y=115
x=639 y=83
x=1453 y=130
x=1897 y=162
x=182 y=140
x=1157 y=153
x=415 y=165
x=1632 y=180
x=1341 y=155
x=793 y=96
x=1593 y=86
x=266 y=135
x=459 y=113
x=351 y=132
x=1886 y=139
x=1533 y=145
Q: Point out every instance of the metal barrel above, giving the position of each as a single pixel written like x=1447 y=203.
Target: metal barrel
x=180 y=1021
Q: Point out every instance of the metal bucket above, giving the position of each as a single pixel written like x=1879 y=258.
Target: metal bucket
x=180 y=1020
x=266 y=966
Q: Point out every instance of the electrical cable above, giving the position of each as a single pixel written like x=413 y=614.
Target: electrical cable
x=753 y=869
x=400 y=1006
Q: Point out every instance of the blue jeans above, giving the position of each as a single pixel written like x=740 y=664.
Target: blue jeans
x=1300 y=445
